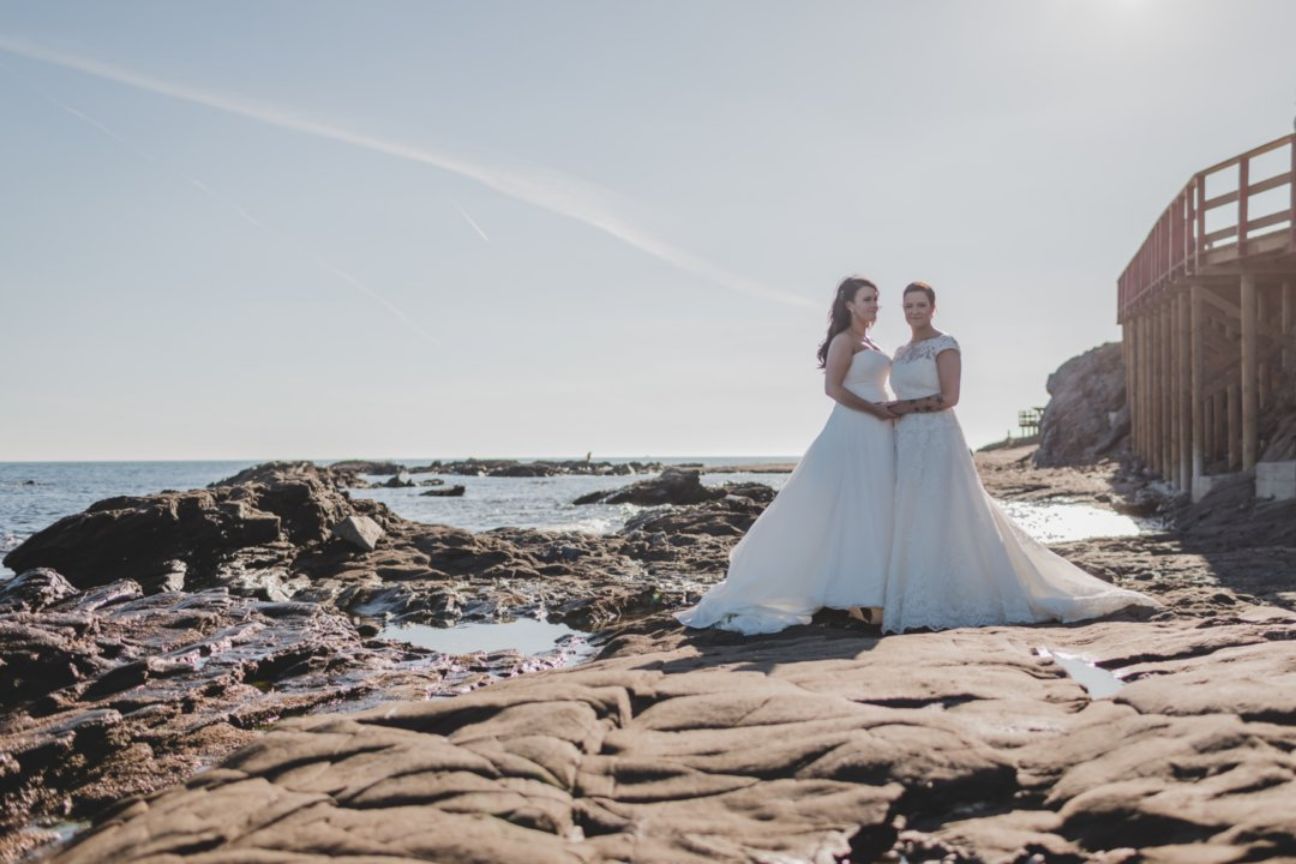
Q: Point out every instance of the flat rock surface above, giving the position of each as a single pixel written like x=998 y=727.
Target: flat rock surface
x=819 y=744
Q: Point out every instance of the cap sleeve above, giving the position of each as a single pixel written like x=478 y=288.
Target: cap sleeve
x=947 y=342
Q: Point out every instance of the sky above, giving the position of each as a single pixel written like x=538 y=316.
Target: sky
x=247 y=230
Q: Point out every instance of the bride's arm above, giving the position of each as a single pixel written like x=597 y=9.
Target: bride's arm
x=949 y=369
x=839 y=360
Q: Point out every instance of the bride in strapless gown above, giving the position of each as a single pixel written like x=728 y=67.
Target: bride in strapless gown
x=957 y=560
x=824 y=539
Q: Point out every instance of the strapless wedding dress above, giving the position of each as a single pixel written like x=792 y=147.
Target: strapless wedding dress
x=823 y=541
x=957 y=560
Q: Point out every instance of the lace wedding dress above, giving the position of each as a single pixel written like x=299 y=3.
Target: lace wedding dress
x=957 y=560
x=823 y=541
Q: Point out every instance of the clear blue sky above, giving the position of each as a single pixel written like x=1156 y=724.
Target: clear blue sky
x=325 y=229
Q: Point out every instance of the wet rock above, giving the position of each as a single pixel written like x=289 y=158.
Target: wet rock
x=364 y=466
x=399 y=481
x=33 y=590
x=435 y=481
x=455 y=491
x=360 y=531
x=672 y=486
x=1143 y=503
x=109 y=693
x=541 y=468
x=141 y=537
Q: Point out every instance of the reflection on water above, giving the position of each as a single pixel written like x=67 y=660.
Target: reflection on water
x=1061 y=521
x=531 y=502
x=525 y=635
x=52 y=836
x=1098 y=682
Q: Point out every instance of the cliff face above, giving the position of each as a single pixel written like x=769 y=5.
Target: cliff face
x=1086 y=417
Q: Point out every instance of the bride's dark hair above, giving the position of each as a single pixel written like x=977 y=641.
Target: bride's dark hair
x=839 y=318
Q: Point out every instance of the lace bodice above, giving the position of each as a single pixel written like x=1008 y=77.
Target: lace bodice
x=914 y=374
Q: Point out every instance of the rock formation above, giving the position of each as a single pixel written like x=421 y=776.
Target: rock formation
x=1086 y=417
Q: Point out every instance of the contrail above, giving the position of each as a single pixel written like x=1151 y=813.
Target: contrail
x=242 y=212
x=471 y=221
x=566 y=196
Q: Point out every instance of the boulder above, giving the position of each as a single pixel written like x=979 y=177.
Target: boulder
x=399 y=481
x=360 y=531
x=455 y=491
x=672 y=486
x=143 y=536
x=1086 y=417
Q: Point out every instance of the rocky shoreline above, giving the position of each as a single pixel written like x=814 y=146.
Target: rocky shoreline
x=224 y=640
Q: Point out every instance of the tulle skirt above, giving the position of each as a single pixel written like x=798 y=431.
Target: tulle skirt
x=823 y=541
x=957 y=560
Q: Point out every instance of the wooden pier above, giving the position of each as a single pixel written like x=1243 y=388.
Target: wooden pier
x=1206 y=307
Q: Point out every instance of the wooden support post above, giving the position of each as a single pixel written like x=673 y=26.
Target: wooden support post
x=1139 y=389
x=1197 y=364
x=1208 y=433
x=1165 y=385
x=1154 y=400
x=1221 y=428
x=1250 y=390
x=1233 y=400
x=1149 y=390
x=1262 y=364
x=1172 y=385
x=1127 y=348
x=1288 y=300
x=1265 y=325
x=1183 y=376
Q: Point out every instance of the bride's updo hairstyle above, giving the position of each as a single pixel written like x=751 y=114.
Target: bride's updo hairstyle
x=839 y=317
x=924 y=288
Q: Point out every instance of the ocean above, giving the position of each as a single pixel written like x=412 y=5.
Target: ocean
x=34 y=495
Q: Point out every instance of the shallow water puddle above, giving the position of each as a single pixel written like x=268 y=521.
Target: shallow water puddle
x=58 y=834
x=1098 y=682
x=525 y=635
x=1062 y=521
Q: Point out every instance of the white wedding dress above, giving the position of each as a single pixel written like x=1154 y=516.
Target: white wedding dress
x=823 y=541
x=957 y=560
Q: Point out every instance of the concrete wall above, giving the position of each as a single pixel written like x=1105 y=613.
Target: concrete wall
x=1276 y=480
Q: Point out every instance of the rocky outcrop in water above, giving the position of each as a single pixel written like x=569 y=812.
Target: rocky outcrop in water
x=1086 y=417
x=208 y=533
x=281 y=533
x=538 y=468
x=672 y=486
x=455 y=491
x=365 y=466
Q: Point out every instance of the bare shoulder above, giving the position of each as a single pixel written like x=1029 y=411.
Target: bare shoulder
x=842 y=343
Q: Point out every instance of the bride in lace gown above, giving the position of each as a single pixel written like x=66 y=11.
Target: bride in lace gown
x=957 y=560
x=823 y=541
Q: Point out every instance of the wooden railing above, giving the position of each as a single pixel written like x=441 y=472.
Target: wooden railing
x=1179 y=244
